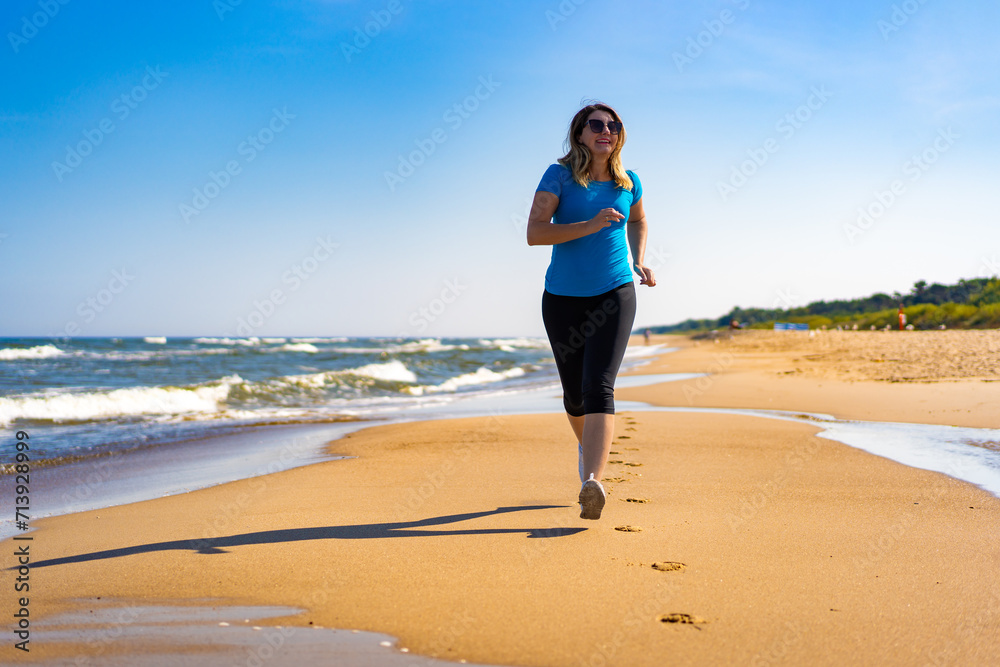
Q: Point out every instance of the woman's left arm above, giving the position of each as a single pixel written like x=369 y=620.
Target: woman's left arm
x=637 y=242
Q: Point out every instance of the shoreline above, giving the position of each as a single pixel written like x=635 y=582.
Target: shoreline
x=401 y=473
x=123 y=477
x=111 y=479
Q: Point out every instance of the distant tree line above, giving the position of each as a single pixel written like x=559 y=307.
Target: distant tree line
x=968 y=304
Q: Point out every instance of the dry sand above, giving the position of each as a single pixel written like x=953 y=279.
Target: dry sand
x=461 y=538
x=894 y=356
x=909 y=376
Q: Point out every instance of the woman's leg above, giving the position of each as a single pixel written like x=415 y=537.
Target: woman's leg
x=603 y=354
x=598 y=431
x=576 y=423
x=562 y=315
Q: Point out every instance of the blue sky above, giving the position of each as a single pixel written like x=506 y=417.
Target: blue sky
x=209 y=168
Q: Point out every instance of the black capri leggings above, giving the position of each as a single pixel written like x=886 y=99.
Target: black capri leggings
x=588 y=335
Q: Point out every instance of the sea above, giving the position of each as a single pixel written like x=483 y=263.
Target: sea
x=86 y=397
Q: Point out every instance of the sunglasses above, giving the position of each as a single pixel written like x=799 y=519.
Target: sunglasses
x=597 y=126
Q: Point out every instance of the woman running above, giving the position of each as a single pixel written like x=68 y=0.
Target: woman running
x=582 y=208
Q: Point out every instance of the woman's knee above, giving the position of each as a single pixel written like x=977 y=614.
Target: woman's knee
x=599 y=398
x=575 y=406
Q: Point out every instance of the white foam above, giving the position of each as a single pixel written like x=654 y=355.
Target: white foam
x=37 y=352
x=145 y=355
x=510 y=344
x=299 y=347
x=310 y=381
x=59 y=406
x=482 y=375
x=155 y=340
x=392 y=371
x=252 y=340
x=424 y=345
x=634 y=351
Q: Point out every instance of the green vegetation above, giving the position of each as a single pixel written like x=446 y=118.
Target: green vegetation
x=969 y=304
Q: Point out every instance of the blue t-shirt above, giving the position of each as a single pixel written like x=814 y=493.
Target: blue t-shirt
x=599 y=262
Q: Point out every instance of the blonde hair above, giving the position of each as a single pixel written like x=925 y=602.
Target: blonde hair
x=578 y=157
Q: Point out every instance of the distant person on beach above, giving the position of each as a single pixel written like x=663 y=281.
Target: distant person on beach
x=646 y=336
x=585 y=207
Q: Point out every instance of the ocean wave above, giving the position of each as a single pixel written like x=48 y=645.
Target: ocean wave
x=391 y=371
x=320 y=340
x=274 y=389
x=299 y=347
x=482 y=375
x=512 y=344
x=252 y=340
x=146 y=355
x=37 y=352
x=413 y=347
x=425 y=345
x=62 y=406
x=362 y=350
x=155 y=340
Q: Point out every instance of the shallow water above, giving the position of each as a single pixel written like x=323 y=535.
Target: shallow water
x=211 y=635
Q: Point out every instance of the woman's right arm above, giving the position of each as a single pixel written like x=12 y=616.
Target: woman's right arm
x=542 y=231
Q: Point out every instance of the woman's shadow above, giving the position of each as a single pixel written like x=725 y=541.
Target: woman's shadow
x=216 y=545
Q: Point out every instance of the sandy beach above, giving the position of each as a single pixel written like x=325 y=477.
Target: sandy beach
x=727 y=539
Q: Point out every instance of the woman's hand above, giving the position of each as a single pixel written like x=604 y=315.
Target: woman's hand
x=645 y=274
x=604 y=219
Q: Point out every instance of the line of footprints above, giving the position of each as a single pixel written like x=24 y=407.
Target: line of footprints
x=662 y=566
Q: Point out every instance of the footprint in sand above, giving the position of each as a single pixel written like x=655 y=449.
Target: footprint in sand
x=629 y=529
x=615 y=461
x=614 y=480
x=631 y=449
x=614 y=452
x=624 y=437
x=688 y=619
x=635 y=500
x=631 y=429
x=668 y=566
x=634 y=465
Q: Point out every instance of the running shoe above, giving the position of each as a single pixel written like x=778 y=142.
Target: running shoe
x=592 y=499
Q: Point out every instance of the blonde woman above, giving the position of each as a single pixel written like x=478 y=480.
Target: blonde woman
x=586 y=207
